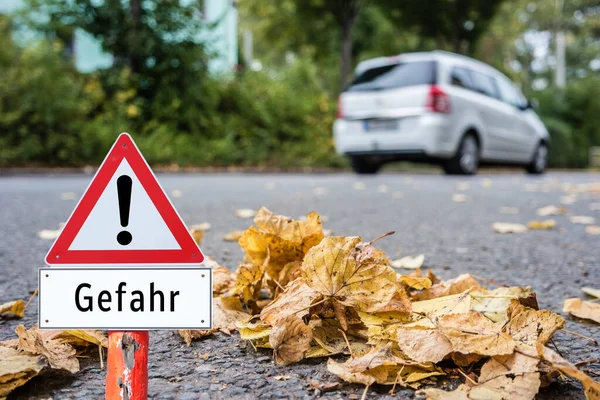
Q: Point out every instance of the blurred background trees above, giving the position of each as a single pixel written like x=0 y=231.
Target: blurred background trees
x=278 y=105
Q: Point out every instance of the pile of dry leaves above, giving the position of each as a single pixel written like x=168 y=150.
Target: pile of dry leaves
x=305 y=295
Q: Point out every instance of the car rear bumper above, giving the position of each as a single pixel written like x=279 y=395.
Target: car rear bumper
x=420 y=137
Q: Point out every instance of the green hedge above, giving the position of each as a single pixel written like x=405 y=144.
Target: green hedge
x=572 y=116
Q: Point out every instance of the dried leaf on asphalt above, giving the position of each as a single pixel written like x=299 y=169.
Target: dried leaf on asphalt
x=454 y=304
x=331 y=269
x=290 y=340
x=493 y=304
x=248 y=282
x=530 y=326
x=198 y=235
x=295 y=300
x=546 y=224
x=59 y=355
x=460 y=198
x=233 y=236
x=415 y=282
x=593 y=229
x=17 y=368
x=282 y=238
x=591 y=387
x=507 y=227
x=245 y=213
x=79 y=338
x=591 y=291
x=423 y=345
x=509 y=210
x=472 y=333
x=409 y=262
x=582 y=309
x=13 y=309
x=551 y=210
x=460 y=284
x=582 y=219
x=205 y=226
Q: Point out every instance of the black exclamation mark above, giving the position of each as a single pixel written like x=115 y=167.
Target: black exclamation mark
x=124 y=193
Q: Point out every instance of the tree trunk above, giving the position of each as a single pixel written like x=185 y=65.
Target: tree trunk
x=134 y=58
x=346 y=60
x=346 y=19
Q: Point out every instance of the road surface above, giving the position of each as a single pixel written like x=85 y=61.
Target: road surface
x=454 y=236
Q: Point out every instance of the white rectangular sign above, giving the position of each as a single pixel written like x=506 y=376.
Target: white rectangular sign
x=125 y=298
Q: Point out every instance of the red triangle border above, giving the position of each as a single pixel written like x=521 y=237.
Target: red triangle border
x=124 y=148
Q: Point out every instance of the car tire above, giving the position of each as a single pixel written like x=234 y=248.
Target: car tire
x=539 y=160
x=362 y=166
x=466 y=159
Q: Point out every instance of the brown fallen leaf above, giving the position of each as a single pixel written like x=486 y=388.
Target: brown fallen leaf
x=290 y=340
x=281 y=238
x=460 y=284
x=59 y=355
x=507 y=227
x=593 y=229
x=591 y=387
x=198 y=235
x=233 y=236
x=424 y=345
x=295 y=300
x=324 y=387
x=17 y=368
x=331 y=269
x=472 y=333
x=582 y=309
x=546 y=224
x=582 y=219
x=281 y=377
x=551 y=210
x=530 y=326
x=13 y=309
x=591 y=291
x=409 y=262
x=204 y=226
x=245 y=213
x=460 y=198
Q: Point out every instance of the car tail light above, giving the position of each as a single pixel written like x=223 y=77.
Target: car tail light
x=340 y=113
x=437 y=100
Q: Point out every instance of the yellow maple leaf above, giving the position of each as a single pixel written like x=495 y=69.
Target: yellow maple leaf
x=295 y=300
x=290 y=340
x=582 y=309
x=17 y=368
x=13 y=309
x=58 y=354
x=472 y=333
x=331 y=269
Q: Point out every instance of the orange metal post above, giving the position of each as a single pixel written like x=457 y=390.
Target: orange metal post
x=127 y=377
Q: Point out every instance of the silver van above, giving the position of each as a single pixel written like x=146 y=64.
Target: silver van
x=437 y=107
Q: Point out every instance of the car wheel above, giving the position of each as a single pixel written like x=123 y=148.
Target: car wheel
x=466 y=159
x=539 y=160
x=363 y=166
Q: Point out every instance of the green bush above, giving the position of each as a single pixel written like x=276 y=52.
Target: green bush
x=52 y=115
x=572 y=117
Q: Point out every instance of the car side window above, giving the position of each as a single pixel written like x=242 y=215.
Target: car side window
x=510 y=94
x=484 y=84
x=460 y=77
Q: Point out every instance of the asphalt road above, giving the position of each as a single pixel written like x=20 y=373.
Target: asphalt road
x=455 y=238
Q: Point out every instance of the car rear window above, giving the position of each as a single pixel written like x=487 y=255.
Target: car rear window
x=395 y=76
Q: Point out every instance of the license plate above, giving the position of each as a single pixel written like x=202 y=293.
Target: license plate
x=373 y=125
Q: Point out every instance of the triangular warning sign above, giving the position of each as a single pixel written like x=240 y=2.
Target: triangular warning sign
x=124 y=218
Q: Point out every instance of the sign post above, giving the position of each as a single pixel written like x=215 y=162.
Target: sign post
x=126 y=262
